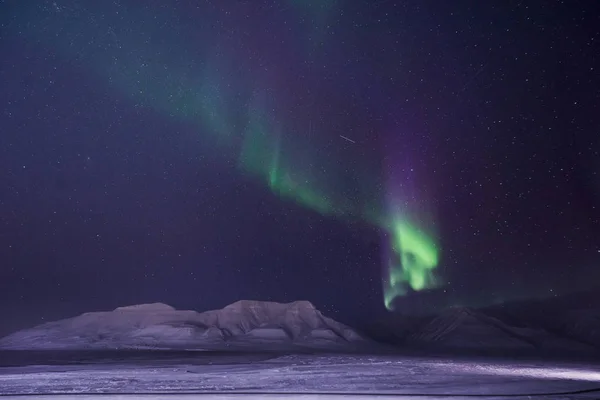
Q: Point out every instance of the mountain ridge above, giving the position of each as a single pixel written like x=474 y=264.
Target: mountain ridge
x=539 y=327
x=243 y=323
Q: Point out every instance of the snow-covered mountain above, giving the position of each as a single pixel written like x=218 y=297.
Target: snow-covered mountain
x=244 y=325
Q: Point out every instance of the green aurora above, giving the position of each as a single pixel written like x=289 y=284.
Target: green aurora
x=415 y=256
x=155 y=71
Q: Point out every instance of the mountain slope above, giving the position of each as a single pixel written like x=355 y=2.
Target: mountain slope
x=574 y=317
x=583 y=325
x=475 y=331
x=466 y=328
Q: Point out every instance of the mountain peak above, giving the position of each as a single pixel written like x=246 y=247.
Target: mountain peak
x=457 y=311
x=267 y=304
x=150 y=307
x=302 y=304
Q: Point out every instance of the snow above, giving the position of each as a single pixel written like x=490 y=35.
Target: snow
x=272 y=327
x=267 y=333
x=305 y=374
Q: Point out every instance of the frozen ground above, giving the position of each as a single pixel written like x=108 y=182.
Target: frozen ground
x=227 y=376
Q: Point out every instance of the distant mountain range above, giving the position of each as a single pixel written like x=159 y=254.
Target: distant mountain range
x=567 y=325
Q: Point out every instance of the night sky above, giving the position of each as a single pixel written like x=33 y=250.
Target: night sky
x=356 y=154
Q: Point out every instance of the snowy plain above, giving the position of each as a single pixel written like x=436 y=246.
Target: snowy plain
x=199 y=375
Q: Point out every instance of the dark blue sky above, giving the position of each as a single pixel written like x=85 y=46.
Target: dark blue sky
x=111 y=193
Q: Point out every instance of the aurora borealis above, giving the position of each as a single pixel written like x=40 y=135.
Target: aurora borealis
x=374 y=151
x=154 y=73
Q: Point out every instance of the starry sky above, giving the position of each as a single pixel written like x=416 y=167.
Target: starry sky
x=365 y=156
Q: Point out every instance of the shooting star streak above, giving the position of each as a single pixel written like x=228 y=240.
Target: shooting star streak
x=348 y=139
